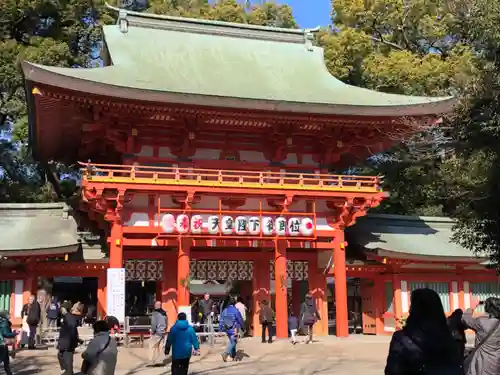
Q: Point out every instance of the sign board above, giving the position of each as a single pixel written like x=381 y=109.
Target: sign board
x=115 y=299
x=240 y=225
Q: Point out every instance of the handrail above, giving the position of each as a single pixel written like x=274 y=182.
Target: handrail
x=233 y=178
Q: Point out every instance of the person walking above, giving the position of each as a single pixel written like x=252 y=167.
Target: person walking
x=53 y=312
x=231 y=322
x=309 y=315
x=33 y=313
x=205 y=309
x=243 y=311
x=6 y=337
x=159 y=324
x=484 y=359
x=425 y=345
x=293 y=326
x=184 y=343
x=266 y=320
x=68 y=340
x=100 y=356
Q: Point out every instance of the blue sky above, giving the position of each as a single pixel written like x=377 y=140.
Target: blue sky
x=311 y=13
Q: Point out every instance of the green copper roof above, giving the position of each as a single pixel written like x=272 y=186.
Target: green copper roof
x=408 y=237
x=37 y=229
x=174 y=60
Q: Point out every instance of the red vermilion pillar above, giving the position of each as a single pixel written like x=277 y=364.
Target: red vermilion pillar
x=183 y=258
x=115 y=246
x=340 y=285
x=169 y=285
x=261 y=287
x=281 y=289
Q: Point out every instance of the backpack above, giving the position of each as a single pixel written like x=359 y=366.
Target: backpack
x=227 y=322
x=441 y=370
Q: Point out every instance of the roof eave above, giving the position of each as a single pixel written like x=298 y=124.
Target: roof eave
x=41 y=251
x=38 y=74
x=400 y=255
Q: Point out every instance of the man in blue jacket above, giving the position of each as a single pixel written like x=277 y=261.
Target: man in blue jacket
x=231 y=322
x=183 y=341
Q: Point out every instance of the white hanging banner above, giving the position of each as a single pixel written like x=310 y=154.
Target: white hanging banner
x=115 y=299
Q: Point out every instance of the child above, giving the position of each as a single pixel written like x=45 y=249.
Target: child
x=6 y=338
x=293 y=325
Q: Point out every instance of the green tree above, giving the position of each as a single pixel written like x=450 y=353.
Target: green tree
x=66 y=34
x=406 y=47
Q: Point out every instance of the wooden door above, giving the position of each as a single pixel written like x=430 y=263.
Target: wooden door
x=368 y=307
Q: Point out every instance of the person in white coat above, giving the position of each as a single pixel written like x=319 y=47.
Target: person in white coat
x=102 y=352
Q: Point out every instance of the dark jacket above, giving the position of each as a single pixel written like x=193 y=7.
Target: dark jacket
x=206 y=307
x=266 y=314
x=411 y=351
x=5 y=330
x=32 y=312
x=159 y=322
x=182 y=339
x=293 y=323
x=308 y=312
x=457 y=329
x=68 y=333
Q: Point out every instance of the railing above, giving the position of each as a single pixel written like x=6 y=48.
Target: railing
x=142 y=174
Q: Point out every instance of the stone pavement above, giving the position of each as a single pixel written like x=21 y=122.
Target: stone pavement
x=358 y=355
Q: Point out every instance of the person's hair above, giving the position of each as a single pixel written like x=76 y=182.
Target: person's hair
x=492 y=307
x=308 y=295
x=240 y=299
x=182 y=316
x=264 y=302
x=427 y=321
x=231 y=301
x=101 y=326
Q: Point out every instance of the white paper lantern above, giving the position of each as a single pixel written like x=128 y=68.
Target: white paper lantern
x=213 y=224
x=294 y=226
x=227 y=225
x=241 y=225
x=268 y=226
x=196 y=224
x=307 y=227
x=280 y=225
x=182 y=223
x=168 y=223
x=254 y=226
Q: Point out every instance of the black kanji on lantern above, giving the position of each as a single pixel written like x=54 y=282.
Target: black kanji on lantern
x=214 y=222
x=242 y=225
x=282 y=225
x=229 y=223
x=255 y=223
x=270 y=226
x=294 y=226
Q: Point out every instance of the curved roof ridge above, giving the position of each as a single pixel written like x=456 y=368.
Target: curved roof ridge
x=164 y=22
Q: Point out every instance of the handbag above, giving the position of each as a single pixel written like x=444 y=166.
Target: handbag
x=86 y=364
x=470 y=356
